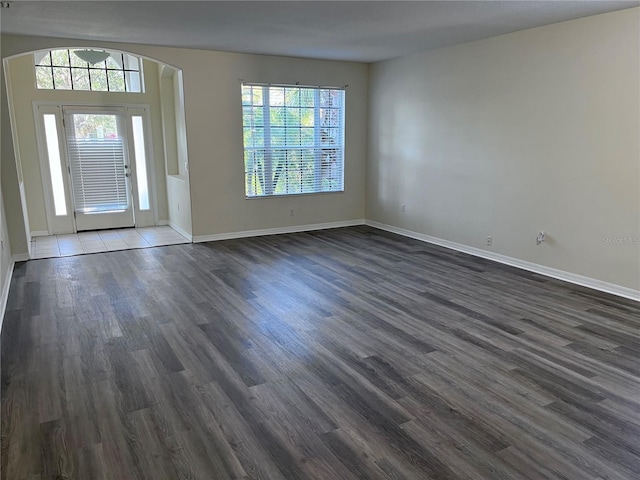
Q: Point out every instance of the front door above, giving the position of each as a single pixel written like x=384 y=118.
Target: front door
x=100 y=168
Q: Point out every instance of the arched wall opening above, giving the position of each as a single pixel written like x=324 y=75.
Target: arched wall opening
x=157 y=110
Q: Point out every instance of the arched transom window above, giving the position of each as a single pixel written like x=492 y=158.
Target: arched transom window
x=88 y=69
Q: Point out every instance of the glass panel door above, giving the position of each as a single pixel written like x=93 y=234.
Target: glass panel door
x=100 y=169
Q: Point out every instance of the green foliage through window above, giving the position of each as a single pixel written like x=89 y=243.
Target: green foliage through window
x=64 y=70
x=293 y=139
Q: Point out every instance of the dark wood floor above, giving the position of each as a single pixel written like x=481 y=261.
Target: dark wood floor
x=341 y=354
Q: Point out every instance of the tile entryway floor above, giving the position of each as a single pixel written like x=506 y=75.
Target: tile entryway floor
x=103 y=241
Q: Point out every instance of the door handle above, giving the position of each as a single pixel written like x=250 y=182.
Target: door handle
x=127 y=174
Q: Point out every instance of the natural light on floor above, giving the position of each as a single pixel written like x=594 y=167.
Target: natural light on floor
x=104 y=241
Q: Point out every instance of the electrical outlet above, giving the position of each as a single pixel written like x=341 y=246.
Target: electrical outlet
x=542 y=236
x=402 y=208
x=489 y=241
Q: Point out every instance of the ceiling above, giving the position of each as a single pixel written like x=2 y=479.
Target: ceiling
x=363 y=31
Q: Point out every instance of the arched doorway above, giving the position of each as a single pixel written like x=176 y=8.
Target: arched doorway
x=99 y=142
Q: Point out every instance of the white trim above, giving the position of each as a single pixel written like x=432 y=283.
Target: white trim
x=21 y=257
x=80 y=104
x=180 y=230
x=43 y=158
x=126 y=110
x=151 y=162
x=589 y=282
x=40 y=233
x=145 y=113
x=16 y=149
x=30 y=243
x=100 y=45
x=277 y=231
x=5 y=292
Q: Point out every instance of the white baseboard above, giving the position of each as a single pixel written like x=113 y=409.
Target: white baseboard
x=515 y=262
x=276 y=231
x=162 y=223
x=5 y=292
x=181 y=231
x=40 y=233
x=20 y=257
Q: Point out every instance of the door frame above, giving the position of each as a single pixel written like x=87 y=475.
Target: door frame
x=129 y=109
x=55 y=223
x=147 y=218
x=106 y=219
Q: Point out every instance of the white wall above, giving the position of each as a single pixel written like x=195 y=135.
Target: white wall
x=214 y=137
x=175 y=148
x=11 y=180
x=213 y=117
x=6 y=262
x=503 y=137
x=5 y=246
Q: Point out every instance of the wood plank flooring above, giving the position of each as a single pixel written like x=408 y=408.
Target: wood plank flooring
x=340 y=354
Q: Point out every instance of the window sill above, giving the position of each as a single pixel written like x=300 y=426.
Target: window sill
x=287 y=195
x=182 y=178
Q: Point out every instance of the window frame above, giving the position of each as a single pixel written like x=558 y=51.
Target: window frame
x=126 y=70
x=337 y=148
x=64 y=225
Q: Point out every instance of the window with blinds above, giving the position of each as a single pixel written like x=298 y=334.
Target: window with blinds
x=293 y=139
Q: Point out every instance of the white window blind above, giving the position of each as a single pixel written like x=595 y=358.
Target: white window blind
x=98 y=173
x=293 y=139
